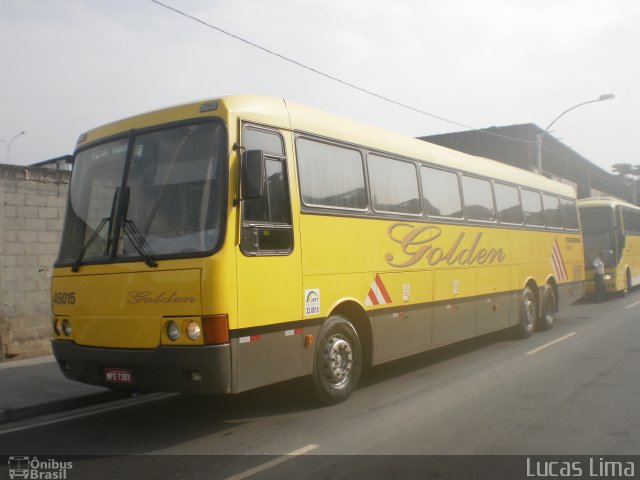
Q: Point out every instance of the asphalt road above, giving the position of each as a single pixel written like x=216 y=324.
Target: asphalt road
x=574 y=390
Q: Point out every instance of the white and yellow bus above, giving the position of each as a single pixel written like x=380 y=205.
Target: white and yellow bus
x=229 y=244
x=612 y=227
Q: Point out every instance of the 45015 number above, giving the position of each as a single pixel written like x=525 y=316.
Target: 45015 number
x=64 y=298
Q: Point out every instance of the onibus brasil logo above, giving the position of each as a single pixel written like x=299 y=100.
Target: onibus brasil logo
x=32 y=468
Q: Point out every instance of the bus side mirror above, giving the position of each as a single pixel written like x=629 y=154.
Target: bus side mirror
x=252 y=174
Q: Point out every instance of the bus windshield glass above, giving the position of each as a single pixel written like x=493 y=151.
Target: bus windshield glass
x=597 y=231
x=163 y=191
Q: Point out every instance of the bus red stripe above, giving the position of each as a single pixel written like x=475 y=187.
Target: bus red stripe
x=372 y=297
x=383 y=290
x=562 y=271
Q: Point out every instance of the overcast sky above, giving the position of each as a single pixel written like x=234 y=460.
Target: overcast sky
x=71 y=65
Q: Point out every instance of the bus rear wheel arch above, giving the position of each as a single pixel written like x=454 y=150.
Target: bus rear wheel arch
x=338 y=360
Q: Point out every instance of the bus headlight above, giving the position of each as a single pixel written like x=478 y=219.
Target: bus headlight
x=193 y=331
x=66 y=327
x=173 y=331
x=57 y=326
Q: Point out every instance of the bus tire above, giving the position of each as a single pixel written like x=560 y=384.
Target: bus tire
x=549 y=307
x=627 y=285
x=338 y=361
x=528 y=314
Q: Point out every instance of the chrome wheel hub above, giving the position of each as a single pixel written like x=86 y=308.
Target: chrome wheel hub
x=529 y=313
x=550 y=313
x=338 y=360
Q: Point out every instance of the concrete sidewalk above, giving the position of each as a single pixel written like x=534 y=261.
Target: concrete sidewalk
x=33 y=387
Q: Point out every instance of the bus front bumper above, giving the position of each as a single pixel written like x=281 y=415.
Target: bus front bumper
x=188 y=369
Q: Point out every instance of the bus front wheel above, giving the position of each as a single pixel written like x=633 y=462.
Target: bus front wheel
x=528 y=314
x=627 y=285
x=338 y=361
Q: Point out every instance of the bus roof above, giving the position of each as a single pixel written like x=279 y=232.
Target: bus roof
x=290 y=115
x=333 y=126
x=605 y=202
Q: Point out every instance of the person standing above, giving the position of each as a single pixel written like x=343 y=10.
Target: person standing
x=598 y=276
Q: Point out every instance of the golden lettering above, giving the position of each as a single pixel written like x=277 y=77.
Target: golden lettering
x=495 y=254
x=146 y=296
x=416 y=244
x=449 y=256
x=415 y=237
x=481 y=256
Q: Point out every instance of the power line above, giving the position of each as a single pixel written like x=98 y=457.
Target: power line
x=331 y=77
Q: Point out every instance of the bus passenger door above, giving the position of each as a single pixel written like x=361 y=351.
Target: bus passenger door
x=269 y=347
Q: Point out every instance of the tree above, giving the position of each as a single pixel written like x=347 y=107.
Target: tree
x=631 y=173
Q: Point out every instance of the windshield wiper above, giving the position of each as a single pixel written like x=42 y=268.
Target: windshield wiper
x=76 y=265
x=137 y=239
x=139 y=243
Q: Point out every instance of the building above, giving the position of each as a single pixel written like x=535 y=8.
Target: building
x=64 y=162
x=516 y=145
x=32 y=205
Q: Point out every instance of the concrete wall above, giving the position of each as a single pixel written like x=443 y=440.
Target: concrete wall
x=32 y=204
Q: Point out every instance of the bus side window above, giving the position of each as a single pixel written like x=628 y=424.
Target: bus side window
x=394 y=185
x=569 y=213
x=478 y=199
x=532 y=207
x=508 y=203
x=331 y=176
x=551 y=213
x=441 y=193
x=266 y=221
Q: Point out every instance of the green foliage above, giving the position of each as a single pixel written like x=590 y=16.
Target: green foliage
x=627 y=170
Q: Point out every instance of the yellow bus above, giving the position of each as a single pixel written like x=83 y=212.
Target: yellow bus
x=612 y=227
x=228 y=244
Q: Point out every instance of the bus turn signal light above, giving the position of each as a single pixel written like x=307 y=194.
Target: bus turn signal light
x=308 y=341
x=215 y=329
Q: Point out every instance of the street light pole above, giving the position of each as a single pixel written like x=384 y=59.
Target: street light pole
x=539 y=136
x=9 y=144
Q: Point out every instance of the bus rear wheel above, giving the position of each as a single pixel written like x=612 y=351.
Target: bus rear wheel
x=528 y=314
x=338 y=361
x=548 y=317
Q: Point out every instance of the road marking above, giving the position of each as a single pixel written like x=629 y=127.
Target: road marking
x=89 y=411
x=632 y=305
x=551 y=343
x=273 y=463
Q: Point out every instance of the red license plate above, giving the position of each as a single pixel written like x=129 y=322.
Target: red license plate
x=118 y=375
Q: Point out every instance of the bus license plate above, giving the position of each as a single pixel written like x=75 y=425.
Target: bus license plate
x=118 y=375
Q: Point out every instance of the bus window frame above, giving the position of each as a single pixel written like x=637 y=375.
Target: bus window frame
x=461 y=175
x=577 y=214
x=446 y=219
x=370 y=212
x=411 y=162
x=130 y=135
x=506 y=184
x=542 y=226
x=317 y=208
x=253 y=225
x=561 y=227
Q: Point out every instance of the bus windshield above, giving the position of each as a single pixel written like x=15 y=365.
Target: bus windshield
x=597 y=231
x=164 y=191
